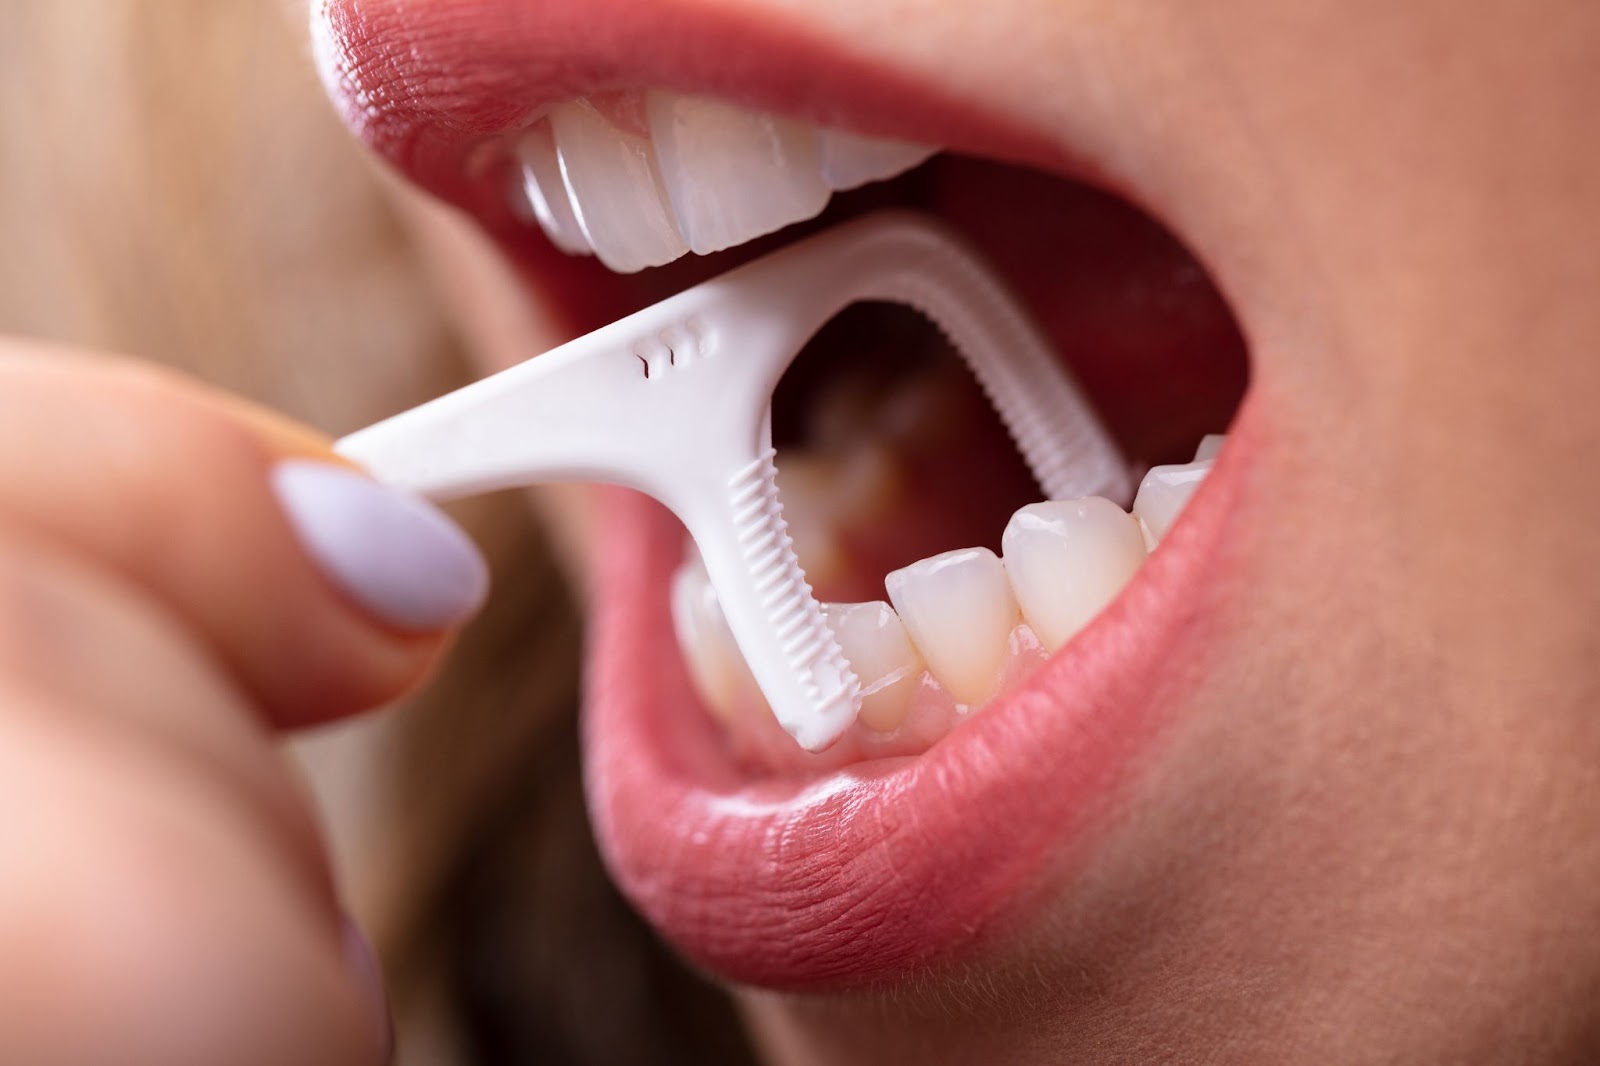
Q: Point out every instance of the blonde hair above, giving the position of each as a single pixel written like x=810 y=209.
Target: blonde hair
x=174 y=186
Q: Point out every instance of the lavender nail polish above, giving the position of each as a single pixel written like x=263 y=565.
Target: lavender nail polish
x=395 y=555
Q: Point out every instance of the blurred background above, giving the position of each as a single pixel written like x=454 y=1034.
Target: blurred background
x=174 y=186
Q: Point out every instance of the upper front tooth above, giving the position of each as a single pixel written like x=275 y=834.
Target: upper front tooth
x=610 y=174
x=849 y=159
x=547 y=194
x=1067 y=559
x=731 y=174
x=1163 y=493
x=959 y=610
x=875 y=641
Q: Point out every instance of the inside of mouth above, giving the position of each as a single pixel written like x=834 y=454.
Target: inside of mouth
x=888 y=452
x=915 y=518
x=913 y=515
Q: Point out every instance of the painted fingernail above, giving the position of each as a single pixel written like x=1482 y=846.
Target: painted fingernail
x=396 y=555
x=367 y=972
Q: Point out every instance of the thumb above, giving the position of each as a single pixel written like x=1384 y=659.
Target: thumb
x=320 y=591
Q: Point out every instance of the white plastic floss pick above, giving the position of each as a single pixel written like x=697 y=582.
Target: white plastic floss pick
x=675 y=401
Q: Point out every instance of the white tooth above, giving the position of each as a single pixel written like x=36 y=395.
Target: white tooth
x=875 y=642
x=718 y=670
x=959 y=610
x=611 y=177
x=849 y=159
x=731 y=174
x=1163 y=493
x=1067 y=559
x=1210 y=445
x=547 y=194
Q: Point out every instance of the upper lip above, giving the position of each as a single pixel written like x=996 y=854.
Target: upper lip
x=876 y=869
x=432 y=88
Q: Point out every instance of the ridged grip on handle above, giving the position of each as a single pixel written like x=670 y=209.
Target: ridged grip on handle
x=923 y=266
x=764 y=594
x=675 y=401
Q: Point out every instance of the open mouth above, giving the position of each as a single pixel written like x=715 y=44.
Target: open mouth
x=1018 y=655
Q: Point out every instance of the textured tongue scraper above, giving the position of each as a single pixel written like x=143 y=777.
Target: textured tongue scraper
x=675 y=401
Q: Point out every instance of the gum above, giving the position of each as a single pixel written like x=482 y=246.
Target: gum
x=760 y=745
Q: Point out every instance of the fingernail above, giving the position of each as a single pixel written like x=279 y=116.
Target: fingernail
x=396 y=555
x=364 y=967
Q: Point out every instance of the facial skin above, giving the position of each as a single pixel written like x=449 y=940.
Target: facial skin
x=1370 y=832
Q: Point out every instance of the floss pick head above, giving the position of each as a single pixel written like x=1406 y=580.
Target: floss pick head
x=675 y=401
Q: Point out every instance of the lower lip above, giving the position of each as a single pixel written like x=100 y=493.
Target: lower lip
x=894 y=866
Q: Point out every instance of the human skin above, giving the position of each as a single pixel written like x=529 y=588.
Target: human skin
x=1367 y=829
x=165 y=896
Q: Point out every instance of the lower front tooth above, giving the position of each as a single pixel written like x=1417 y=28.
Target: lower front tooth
x=717 y=668
x=610 y=174
x=1163 y=493
x=959 y=609
x=881 y=654
x=1067 y=559
x=731 y=174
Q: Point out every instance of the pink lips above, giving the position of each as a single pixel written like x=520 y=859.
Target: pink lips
x=890 y=866
x=860 y=874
